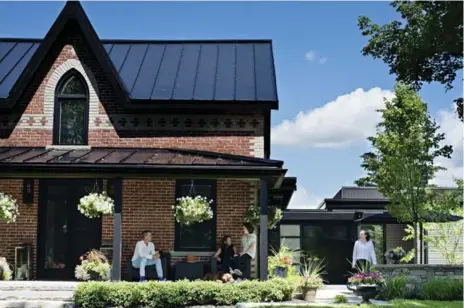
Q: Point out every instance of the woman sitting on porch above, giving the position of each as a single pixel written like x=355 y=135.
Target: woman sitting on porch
x=225 y=254
x=248 y=252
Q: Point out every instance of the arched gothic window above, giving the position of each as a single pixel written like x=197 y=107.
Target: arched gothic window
x=71 y=114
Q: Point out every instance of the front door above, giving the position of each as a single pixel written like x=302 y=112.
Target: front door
x=64 y=233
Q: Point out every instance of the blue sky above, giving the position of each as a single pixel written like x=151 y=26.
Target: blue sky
x=317 y=50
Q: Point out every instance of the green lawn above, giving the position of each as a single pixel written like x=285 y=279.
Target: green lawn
x=394 y=304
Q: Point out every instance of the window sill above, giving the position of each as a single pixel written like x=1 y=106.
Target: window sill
x=68 y=147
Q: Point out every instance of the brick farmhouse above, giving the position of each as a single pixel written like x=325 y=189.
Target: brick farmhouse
x=145 y=121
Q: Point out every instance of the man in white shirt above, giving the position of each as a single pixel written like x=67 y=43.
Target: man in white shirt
x=145 y=255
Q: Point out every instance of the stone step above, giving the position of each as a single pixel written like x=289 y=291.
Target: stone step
x=38 y=285
x=36 y=295
x=35 y=304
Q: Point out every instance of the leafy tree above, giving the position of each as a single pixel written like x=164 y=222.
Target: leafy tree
x=404 y=149
x=425 y=46
x=445 y=237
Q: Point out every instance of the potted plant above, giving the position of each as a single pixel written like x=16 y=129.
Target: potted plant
x=94 y=205
x=366 y=285
x=5 y=270
x=94 y=266
x=394 y=255
x=311 y=278
x=281 y=261
x=274 y=215
x=190 y=210
x=8 y=208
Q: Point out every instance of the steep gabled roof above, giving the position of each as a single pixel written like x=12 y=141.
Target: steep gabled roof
x=148 y=73
x=71 y=15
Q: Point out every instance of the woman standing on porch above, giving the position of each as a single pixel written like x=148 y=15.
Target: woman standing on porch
x=248 y=250
x=363 y=252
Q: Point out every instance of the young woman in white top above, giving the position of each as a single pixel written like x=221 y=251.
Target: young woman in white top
x=363 y=252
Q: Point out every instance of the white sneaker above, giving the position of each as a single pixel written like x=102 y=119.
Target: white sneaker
x=238 y=272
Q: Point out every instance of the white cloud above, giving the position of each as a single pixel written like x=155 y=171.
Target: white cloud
x=453 y=129
x=301 y=199
x=348 y=119
x=310 y=55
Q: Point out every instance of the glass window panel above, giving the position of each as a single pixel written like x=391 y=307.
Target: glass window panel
x=72 y=86
x=292 y=243
x=56 y=235
x=72 y=122
x=290 y=230
x=198 y=236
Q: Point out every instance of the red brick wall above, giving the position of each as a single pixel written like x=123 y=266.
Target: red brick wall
x=25 y=228
x=35 y=120
x=147 y=204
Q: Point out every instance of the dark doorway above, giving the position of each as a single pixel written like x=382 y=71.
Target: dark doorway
x=64 y=233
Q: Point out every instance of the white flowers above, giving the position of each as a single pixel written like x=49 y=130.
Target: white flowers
x=94 y=205
x=189 y=210
x=8 y=208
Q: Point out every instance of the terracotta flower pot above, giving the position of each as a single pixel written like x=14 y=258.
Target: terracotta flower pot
x=309 y=294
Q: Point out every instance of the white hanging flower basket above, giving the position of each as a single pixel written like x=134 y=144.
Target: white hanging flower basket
x=190 y=210
x=8 y=208
x=94 y=205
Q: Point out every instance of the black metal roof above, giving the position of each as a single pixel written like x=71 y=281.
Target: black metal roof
x=387 y=218
x=126 y=156
x=316 y=215
x=136 y=163
x=225 y=70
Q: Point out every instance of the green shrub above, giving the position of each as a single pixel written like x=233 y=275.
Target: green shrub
x=340 y=299
x=447 y=289
x=180 y=293
x=395 y=289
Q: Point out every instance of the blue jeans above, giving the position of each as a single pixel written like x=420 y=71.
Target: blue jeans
x=140 y=263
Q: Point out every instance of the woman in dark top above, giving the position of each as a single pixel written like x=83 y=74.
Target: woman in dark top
x=225 y=253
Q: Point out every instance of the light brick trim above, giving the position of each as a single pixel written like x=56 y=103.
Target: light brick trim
x=58 y=73
x=257 y=147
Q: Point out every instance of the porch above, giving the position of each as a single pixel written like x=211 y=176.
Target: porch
x=144 y=184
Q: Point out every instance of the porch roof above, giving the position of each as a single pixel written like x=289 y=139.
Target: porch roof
x=134 y=163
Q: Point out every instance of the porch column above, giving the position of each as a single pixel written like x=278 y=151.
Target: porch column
x=263 y=232
x=117 y=231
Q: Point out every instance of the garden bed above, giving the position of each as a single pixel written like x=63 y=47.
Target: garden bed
x=180 y=293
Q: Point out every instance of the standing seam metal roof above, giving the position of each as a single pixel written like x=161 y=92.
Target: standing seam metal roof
x=171 y=70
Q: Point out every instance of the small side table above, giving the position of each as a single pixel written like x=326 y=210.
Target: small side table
x=190 y=271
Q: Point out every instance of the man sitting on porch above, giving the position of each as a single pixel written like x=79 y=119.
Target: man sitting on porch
x=145 y=255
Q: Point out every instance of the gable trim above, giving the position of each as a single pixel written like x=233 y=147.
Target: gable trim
x=72 y=11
